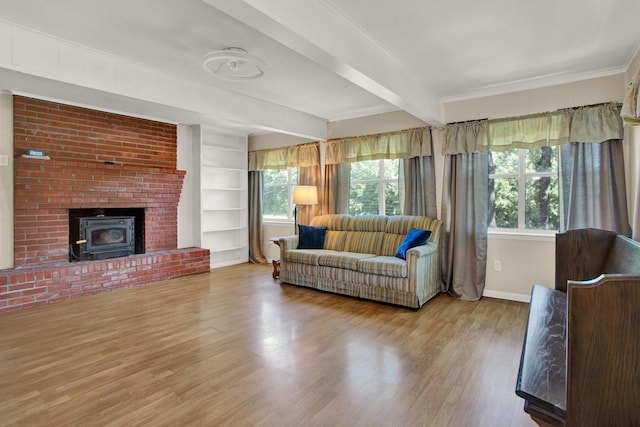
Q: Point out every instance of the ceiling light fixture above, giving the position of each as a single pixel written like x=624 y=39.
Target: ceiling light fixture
x=233 y=63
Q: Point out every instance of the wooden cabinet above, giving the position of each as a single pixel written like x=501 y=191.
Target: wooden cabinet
x=221 y=182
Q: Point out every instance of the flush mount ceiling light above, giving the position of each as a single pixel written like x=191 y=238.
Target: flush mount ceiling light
x=233 y=63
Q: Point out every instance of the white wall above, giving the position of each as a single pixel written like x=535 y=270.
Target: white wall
x=185 y=160
x=6 y=181
x=528 y=260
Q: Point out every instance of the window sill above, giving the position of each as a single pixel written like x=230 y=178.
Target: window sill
x=546 y=236
x=278 y=223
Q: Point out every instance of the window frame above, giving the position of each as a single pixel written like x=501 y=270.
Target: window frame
x=290 y=207
x=521 y=176
x=381 y=181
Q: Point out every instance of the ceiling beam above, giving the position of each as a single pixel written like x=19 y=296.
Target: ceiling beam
x=319 y=31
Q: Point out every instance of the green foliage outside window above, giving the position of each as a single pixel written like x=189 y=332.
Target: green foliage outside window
x=374 y=183
x=277 y=193
x=524 y=183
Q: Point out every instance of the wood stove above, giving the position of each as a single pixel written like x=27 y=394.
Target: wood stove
x=101 y=237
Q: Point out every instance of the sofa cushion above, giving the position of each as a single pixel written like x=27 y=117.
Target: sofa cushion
x=310 y=237
x=348 y=260
x=304 y=256
x=334 y=240
x=337 y=226
x=364 y=242
x=398 y=227
x=415 y=237
x=384 y=266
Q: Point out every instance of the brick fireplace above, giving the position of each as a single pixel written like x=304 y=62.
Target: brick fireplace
x=98 y=161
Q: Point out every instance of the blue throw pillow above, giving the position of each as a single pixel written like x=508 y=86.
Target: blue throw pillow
x=415 y=237
x=311 y=237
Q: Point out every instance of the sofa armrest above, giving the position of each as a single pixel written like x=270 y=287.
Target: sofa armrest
x=287 y=243
x=423 y=264
x=423 y=250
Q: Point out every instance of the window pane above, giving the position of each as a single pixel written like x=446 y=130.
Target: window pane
x=363 y=199
x=391 y=169
x=273 y=176
x=543 y=159
x=391 y=199
x=503 y=162
x=503 y=203
x=368 y=170
x=541 y=204
x=276 y=201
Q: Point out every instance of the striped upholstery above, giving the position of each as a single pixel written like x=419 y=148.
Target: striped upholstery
x=348 y=260
x=368 y=242
x=304 y=256
x=384 y=266
x=337 y=226
x=334 y=240
x=398 y=227
x=359 y=260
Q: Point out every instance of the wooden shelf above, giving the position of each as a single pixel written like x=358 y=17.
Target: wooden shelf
x=223 y=186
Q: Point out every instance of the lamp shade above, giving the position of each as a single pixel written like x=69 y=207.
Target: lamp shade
x=305 y=195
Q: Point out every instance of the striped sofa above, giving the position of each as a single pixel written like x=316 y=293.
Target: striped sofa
x=358 y=259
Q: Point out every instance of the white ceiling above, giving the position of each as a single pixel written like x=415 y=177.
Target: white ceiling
x=329 y=60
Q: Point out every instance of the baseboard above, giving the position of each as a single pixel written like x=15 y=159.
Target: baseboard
x=507 y=295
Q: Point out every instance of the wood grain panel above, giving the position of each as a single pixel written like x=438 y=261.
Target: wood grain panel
x=603 y=367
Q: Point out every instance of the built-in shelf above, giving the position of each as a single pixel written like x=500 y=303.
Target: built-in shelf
x=217 y=230
x=223 y=210
x=222 y=181
x=215 y=165
x=222 y=189
x=228 y=249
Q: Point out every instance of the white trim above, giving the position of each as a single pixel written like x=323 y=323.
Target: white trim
x=523 y=236
x=278 y=222
x=532 y=83
x=507 y=296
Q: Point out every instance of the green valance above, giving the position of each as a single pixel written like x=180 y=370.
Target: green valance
x=585 y=124
x=303 y=155
x=630 y=111
x=395 y=145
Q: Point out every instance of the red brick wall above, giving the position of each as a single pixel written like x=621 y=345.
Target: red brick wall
x=67 y=132
x=79 y=142
x=45 y=190
x=37 y=285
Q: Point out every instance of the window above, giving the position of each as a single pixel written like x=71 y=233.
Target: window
x=278 y=193
x=523 y=188
x=374 y=188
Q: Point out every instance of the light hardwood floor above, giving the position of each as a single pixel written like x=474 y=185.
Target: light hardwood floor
x=235 y=347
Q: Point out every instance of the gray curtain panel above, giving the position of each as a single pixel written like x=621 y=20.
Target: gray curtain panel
x=255 y=218
x=593 y=186
x=465 y=213
x=417 y=181
x=335 y=197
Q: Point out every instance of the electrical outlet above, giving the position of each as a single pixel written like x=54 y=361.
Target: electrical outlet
x=497 y=265
x=4 y=160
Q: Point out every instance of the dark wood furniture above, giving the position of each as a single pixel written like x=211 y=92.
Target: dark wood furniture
x=275 y=262
x=580 y=362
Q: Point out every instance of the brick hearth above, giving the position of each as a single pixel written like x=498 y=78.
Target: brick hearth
x=98 y=160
